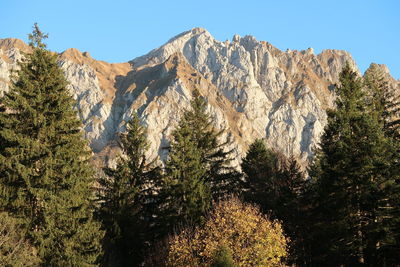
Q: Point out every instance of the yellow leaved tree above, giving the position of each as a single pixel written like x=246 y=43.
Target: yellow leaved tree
x=245 y=236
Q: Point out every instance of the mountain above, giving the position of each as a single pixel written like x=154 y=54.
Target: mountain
x=253 y=89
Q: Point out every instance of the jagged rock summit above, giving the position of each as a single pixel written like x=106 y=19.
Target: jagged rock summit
x=253 y=89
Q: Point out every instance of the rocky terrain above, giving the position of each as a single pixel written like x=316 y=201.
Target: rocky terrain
x=253 y=89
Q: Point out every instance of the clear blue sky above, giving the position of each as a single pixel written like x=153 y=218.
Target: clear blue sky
x=118 y=31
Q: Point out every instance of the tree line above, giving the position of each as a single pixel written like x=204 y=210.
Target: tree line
x=195 y=209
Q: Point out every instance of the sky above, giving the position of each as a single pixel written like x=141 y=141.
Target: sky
x=120 y=30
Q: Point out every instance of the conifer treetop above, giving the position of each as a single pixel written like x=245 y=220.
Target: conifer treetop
x=36 y=37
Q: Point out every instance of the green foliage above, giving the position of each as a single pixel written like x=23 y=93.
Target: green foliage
x=15 y=250
x=214 y=153
x=186 y=193
x=292 y=209
x=261 y=168
x=197 y=168
x=37 y=37
x=277 y=185
x=351 y=174
x=126 y=193
x=385 y=100
x=45 y=175
x=223 y=258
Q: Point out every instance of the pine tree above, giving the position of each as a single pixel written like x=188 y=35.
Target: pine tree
x=45 y=176
x=349 y=170
x=125 y=197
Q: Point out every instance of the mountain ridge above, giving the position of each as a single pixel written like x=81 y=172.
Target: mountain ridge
x=254 y=90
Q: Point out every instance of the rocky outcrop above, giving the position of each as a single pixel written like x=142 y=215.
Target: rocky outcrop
x=11 y=51
x=253 y=89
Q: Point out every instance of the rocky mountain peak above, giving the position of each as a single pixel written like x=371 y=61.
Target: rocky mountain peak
x=253 y=90
x=175 y=44
x=13 y=43
x=77 y=56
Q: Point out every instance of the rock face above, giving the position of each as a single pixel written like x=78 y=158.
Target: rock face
x=253 y=90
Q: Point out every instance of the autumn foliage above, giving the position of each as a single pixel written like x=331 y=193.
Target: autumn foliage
x=247 y=235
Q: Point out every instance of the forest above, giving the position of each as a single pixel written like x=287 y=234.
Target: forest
x=195 y=209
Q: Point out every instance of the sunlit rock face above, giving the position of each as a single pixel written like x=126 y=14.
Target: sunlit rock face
x=253 y=90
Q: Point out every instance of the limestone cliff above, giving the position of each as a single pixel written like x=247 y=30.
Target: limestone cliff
x=253 y=89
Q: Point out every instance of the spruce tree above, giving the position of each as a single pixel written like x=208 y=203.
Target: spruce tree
x=260 y=168
x=198 y=167
x=185 y=192
x=292 y=208
x=349 y=171
x=277 y=185
x=214 y=152
x=126 y=197
x=385 y=101
x=45 y=175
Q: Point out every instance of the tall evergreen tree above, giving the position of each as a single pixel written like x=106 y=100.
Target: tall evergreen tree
x=349 y=172
x=261 y=168
x=198 y=167
x=385 y=101
x=185 y=193
x=126 y=196
x=277 y=184
x=292 y=209
x=214 y=152
x=45 y=176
